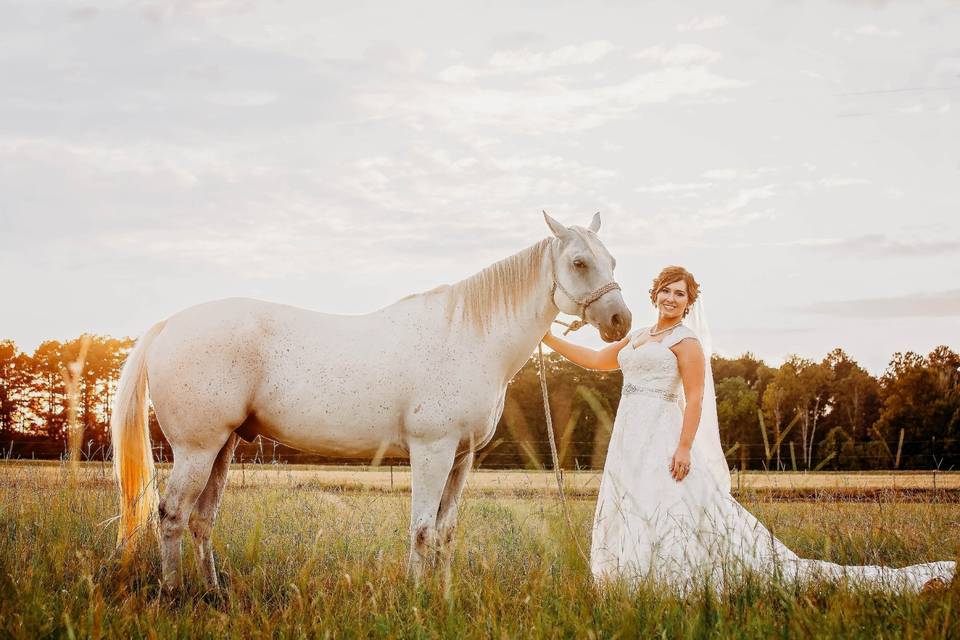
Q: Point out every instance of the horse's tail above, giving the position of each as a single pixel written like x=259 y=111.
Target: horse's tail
x=130 y=433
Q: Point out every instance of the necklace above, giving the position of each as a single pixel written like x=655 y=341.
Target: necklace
x=656 y=333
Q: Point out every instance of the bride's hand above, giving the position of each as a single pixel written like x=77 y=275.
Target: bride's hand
x=680 y=463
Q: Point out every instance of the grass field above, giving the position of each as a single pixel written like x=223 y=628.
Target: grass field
x=320 y=552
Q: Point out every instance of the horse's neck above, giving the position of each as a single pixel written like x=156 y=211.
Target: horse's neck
x=512 y=337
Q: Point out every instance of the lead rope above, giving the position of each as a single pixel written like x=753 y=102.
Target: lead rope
x=553 y=450
x=571 y=326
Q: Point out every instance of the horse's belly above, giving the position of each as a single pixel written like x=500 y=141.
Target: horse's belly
x=332 y=433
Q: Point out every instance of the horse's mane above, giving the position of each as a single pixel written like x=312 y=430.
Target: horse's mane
x=498 y=288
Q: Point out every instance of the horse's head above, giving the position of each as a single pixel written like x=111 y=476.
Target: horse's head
x=583 y=279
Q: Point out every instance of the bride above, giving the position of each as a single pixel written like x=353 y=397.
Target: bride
x=664 y=511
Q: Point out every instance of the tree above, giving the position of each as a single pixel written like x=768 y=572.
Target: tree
x=14 y=388
x=753 y=371
x=842 y=447
x=853 y=406
x=724 y=368
x=47 y=396
x=854 y=395
x=800 y=388
x=101 y=371
x=737 y=407
x=921 y=397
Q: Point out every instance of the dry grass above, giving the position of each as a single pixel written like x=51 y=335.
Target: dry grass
x=317 y=561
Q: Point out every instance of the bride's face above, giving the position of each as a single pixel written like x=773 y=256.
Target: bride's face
x=672 y=300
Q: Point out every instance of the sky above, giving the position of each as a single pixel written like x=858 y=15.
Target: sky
x=802 y=159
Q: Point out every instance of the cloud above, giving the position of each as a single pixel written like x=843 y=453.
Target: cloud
x=874 y=30
x=161 y=11
x=725 y=203
x=842 y=182
x=946 y=71
x=673 y=187
x=679 y=55
x=548 y=107
x=222 y=208
x=527 y=61
x=912 y=109
x=518 y=39
x=736 y=174
x=879 y=246
x=871 y=4
x=423 y=179
x=502 y=95
x=263 y=251
x=80 y=14
x=171 y=81
x=742 y=199
x=865 y=30
x=259 y=216
x=703 y=23
x=940 y=304
x=726 y=207
x=832 y=183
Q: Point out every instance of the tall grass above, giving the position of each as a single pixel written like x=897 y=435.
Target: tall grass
x=319 y=563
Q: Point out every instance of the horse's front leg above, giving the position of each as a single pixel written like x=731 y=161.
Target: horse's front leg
x=430 y=464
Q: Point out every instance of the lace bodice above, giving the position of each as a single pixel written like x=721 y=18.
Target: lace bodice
x=653 y=366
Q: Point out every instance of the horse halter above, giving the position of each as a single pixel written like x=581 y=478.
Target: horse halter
x=582 y=303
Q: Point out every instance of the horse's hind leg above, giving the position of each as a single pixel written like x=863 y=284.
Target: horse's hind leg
x=449 y=506
x=191 y=470
x=430 y=464
x=205 y=513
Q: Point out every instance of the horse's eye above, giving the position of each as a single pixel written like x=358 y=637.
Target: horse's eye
x=579 y=264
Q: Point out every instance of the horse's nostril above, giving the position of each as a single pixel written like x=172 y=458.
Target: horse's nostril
x=616 y=320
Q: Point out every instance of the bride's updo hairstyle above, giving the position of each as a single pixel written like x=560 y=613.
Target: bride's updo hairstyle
x=672 y=274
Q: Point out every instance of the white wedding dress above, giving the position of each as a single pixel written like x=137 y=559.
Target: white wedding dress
x=648 y=526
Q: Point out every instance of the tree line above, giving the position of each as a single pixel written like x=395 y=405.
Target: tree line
x=802 y=415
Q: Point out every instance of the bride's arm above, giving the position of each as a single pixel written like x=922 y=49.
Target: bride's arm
x=602 y=360
x=692 y=371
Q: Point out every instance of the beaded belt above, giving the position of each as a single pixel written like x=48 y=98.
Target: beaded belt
x=629 y=389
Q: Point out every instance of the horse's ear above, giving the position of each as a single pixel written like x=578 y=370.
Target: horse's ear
x=595 y=223
x=558 y=229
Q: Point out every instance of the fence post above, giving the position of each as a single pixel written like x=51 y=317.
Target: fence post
x=896 y=464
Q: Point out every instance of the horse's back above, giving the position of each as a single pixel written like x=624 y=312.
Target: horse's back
x=330 y=383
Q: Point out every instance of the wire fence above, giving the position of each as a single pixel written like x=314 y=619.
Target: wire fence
x=501 y=453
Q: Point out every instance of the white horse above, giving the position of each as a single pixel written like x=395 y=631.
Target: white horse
x=423 y=378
